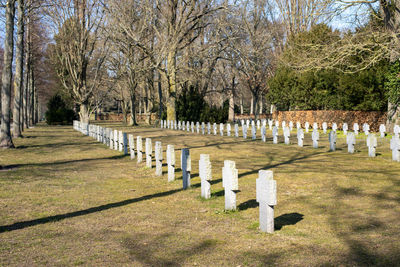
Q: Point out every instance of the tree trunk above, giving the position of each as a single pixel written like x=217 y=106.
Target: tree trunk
x=31 y=97
x=261 y=105
x=5 y=135
x=19 y=71
x=133 y=111
x=241 y=105
x=171 y=112
x=160 y=95
x=84 y=113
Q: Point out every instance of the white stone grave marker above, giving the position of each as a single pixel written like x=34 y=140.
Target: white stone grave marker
x=230 y=183
x=205 y=175
x=372 y=144
x=315 y=138
x=266 y=197
x=139 y=149
x=149 y=151
x=300 y=137
x=159 y=158
x=171 y=162
x=332 y=140
x=351 y=142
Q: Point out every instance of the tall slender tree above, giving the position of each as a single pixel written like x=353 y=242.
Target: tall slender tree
x=19 y=71
x=5 y=134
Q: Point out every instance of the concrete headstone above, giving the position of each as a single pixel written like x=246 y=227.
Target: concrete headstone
x=171 y=162
x=205 y=175
x=266 y=197
x=230 y=183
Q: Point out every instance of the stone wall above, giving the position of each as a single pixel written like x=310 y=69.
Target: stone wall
x=373 y=118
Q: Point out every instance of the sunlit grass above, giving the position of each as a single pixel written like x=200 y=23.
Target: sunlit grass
x=66 y=199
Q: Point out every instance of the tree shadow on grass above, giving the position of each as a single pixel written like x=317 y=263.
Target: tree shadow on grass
x=287 y=219
x=59 y=217
x=249 y=204
x=62 y=162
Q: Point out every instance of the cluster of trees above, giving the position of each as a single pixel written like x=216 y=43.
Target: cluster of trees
x=24 y=71
x=185 y=58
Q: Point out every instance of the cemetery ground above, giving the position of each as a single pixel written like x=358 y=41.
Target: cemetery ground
x=66 y=199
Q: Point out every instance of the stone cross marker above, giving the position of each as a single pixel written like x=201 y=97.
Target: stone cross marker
x=372 y=144
x=396 y=130
x=171 y=162
x=183 y=126
x=139 y=149
x=351 y=142
x=209 y=128
x=202 y=128
x=192 y=126
x=275 y=135
x=334 y=126
x=300 y=137
x=291 y=125
x=345 y=128
x=263 y=133
x=215 y=128
x=306 y=126
x=132 y=146
x=221 y=129
x=395 y=147
x=230 y=183
x=356 y=128
x=197 y=127
x=115 y=139
x=121 y=141
x=286 y=134
x=179 y=125
x=125 y=143
x=111 y=139
x=315 y=138
x=228 y=129
x=298 y=125
x=149 y=151
x=253 y=132
x=366 y=129
x=205 y=175
x=324 y=127
x=186 y=167
x=332 y=140
x=236 y=130
x=159 y=158
x=244 y=130
x=382 y=130
x=188 y=127
x=266 y=197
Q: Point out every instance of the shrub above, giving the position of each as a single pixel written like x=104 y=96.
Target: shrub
x=58 y=113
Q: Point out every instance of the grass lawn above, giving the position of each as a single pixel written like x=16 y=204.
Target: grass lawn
x=66 y=199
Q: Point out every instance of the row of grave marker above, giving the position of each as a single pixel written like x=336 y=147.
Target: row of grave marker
x=265 y=185
x=181 y=125
x=350 y=136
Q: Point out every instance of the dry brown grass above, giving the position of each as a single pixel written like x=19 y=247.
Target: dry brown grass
x=67 y=200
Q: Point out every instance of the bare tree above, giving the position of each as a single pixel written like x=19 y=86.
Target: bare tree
x=5 y=135
x=80 y=48
x=19 y=71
